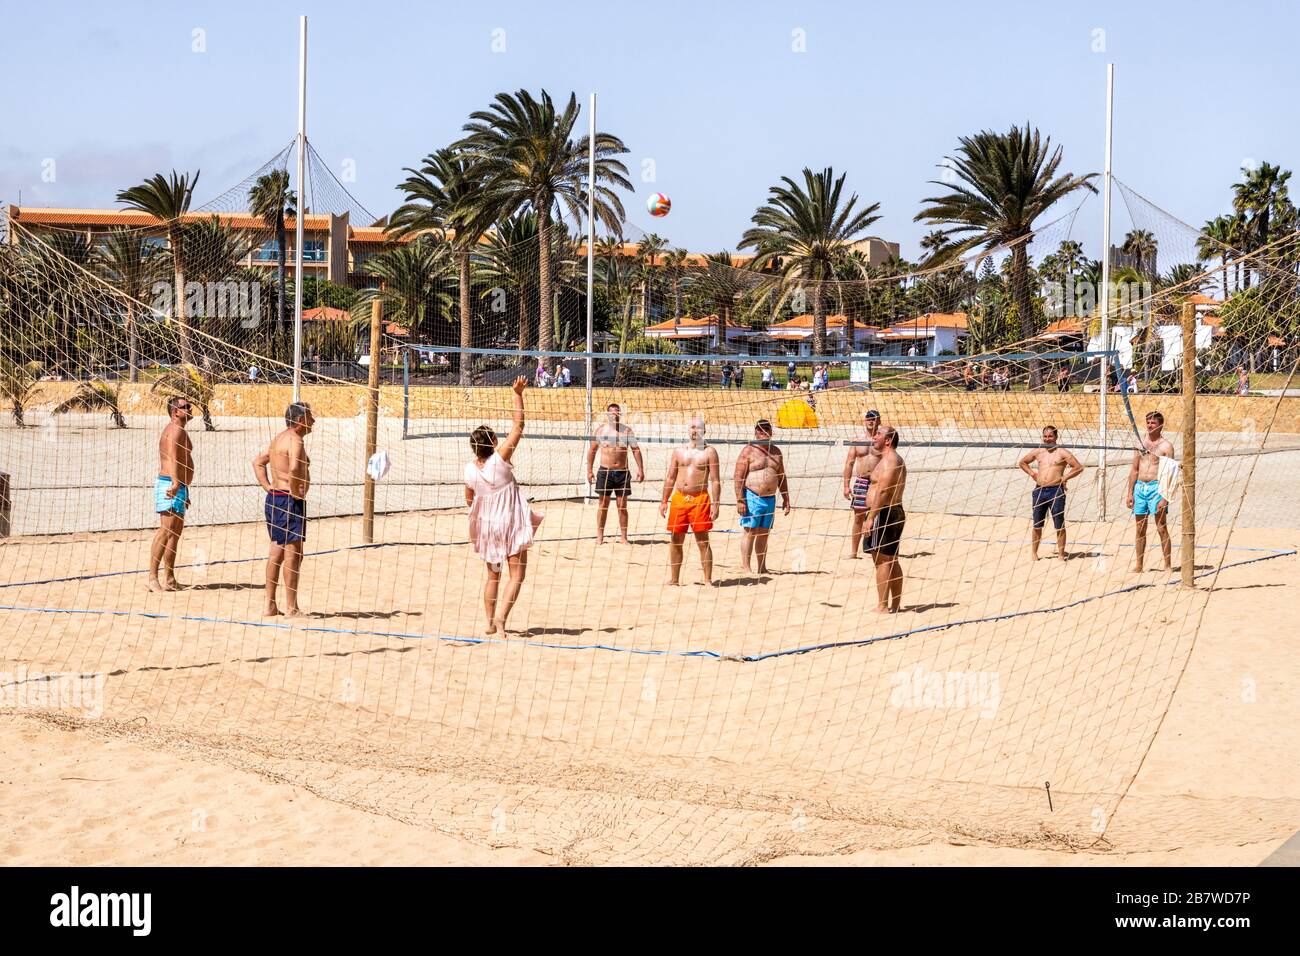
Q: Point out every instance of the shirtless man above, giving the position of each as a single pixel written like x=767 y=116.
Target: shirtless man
x=286 y=504
x=760 y=474
x=885 y=520
x=171 y=493
x=1143 y=492
x=692 y=489
x=857 y=471
x=1055 y=467
x=614 y=440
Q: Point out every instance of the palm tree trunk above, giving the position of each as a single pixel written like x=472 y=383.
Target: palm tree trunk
x=1025 y=308
x=544 y=322
x=133 y=342
x=466 y=317
x=178 y=264
x=1225 y=277
x=523 y=318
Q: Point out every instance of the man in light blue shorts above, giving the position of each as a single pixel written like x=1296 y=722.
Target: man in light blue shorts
x=171 y=493
x=759 y=475
x=1144 y=491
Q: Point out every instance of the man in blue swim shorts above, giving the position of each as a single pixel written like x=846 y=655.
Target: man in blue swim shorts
x=1052 y=468
x=286 y=505
x=759 y=475
x=1144 y=491
x=171 y=493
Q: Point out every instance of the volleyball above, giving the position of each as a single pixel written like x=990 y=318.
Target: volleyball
x=658 y=204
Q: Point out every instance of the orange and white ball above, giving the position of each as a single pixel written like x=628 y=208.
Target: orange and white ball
x=658 y=204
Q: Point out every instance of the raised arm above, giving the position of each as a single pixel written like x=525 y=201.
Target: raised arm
x=507 y=447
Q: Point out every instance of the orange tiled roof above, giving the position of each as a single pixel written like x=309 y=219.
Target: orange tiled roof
x=1199 y=299
x=1071 y=325
x=32 y=215
x=806 y=322
x=672 y=325
x=326 y=313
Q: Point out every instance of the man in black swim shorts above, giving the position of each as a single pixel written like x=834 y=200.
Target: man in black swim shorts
x=885 y=520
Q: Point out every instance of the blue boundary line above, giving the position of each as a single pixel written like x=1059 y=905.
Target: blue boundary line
x=650 y=652
x=1273 y=552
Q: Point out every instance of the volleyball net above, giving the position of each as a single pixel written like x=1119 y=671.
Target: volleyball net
x=1010 y=701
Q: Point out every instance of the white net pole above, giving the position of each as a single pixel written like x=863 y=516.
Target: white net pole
x=1104 y=366
x=299 y=212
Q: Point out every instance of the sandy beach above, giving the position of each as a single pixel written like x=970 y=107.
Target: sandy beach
x=624 y=722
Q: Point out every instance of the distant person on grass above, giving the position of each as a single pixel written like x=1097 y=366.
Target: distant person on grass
x=1052 y=468
x=171 y=493
x=285 y=508
x=759 y=475
x=692 y=489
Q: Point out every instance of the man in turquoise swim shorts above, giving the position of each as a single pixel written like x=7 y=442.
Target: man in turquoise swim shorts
x=171 y=493
x=759 y=475
x=1144 y=491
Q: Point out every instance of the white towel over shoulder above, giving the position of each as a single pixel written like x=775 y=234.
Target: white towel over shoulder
x=1171 y=473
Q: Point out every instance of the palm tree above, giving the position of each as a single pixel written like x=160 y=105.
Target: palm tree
x=64 y=301
x=803 y=233
x=132 y=264
x=1214 y=240
x=1070 y=255
x=646 y=251
x=93 y=396
x=412 y=276
x=1141 y=245
x=933 y=244
x=529 y=159
x=1006 y=181
x=168 y=200
x=510 y=262
x=725 y=282
x=18 y=383
x=674 y=266
x=190 y=383
x=445 y=195
x=272 y=199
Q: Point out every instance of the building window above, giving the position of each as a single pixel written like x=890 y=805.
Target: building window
x=269 y=251
x=313 y=250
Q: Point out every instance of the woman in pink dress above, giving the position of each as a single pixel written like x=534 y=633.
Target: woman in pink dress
x=501 y=525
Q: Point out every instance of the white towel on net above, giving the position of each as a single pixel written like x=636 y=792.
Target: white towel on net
x=1167 y=480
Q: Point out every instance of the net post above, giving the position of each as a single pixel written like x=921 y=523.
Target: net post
x=298 y=213
x=372 y=424
x=6 y=506
x=1188 y=556
x=1103 y=376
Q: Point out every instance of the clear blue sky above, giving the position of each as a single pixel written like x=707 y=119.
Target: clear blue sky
x=712 y=92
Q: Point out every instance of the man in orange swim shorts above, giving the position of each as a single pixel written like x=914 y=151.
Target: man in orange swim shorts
x=692 y=490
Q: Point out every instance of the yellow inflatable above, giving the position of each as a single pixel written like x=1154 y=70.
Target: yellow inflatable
x=796 y=413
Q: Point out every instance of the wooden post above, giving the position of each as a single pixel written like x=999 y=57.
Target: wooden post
x=1187 y=558
x=372 y=422
x=6 y=507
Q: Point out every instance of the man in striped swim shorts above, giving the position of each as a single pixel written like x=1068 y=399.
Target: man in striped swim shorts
x=862 y=457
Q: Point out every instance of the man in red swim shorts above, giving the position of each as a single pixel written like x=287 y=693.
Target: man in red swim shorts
x=692 y=490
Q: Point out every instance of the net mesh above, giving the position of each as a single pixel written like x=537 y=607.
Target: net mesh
x=619 y=718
